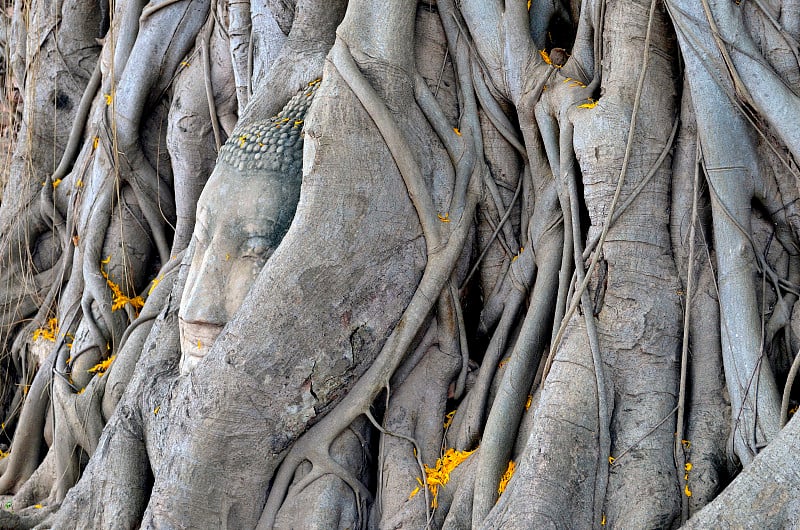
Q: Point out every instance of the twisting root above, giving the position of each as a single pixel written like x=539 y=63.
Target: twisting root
x=469 y=419
x=470 y=123
x=76 y=132
x=603 y=397
x=441 y=261
x=623 y=172
x=502 y=424
x=417 y=454
x=395 y=140
x=461 y=382
x=679 y=453
x=205 y=35
x=495 y=233
x=322 y=464
x=24 y=457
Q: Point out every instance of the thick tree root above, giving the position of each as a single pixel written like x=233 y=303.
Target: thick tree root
x=29 y=441
x=509 y=405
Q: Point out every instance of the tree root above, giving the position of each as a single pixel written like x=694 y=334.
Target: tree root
x=604 y=398
x=754 y=394
x=328 y=501
x=320 y=436
x=28 y=440
x=468 y=422
x=39 y=487
x=413 y=428
x=509 y=405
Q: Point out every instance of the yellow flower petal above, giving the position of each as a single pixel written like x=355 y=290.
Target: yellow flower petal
x=506 y=477
x=47 y=333
x=120 y=299
x=154 y=284
x=100 y=368
x=439 y=475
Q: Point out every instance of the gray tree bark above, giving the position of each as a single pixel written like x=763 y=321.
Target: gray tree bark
x=541 y=270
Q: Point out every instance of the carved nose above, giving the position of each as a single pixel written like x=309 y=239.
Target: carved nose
x=203 y=298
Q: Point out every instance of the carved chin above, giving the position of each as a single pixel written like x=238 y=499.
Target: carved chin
x=196 y=341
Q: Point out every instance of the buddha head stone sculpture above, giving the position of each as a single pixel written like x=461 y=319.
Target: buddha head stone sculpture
x=243 y=213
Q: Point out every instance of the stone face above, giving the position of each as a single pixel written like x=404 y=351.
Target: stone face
x=242 y=215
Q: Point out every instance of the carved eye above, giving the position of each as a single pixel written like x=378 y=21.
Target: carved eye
x=257 y=248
